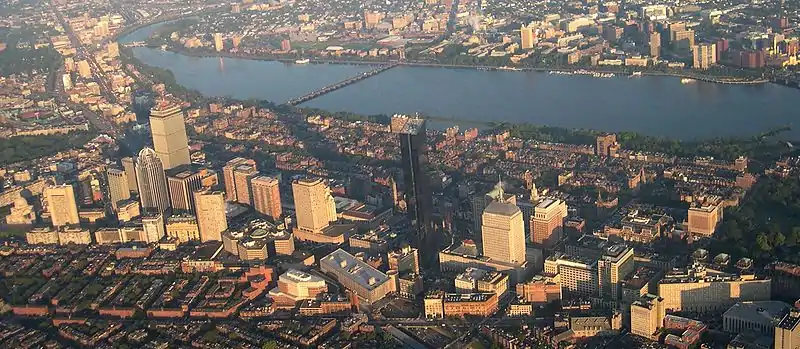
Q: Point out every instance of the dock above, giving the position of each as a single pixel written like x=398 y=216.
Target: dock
x=333 y=87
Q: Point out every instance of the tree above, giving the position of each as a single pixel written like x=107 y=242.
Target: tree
x=762 y=241
x=271 y=344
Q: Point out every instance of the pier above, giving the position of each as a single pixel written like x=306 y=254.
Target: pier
x=333 y=87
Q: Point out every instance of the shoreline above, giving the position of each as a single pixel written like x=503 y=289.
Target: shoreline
x=618 y=73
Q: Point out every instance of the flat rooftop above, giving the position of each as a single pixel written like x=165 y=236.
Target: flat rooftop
x=357 y=270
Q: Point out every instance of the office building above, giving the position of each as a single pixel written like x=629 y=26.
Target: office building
x=170 y=141
x=503 y=233
x=419 y=200
x=295 y=285
x=152 y=182
x=129 y=165
x=696 y=289
x=596 y=323
x=182 y=228
x=368 y=283
x=787 y=332
x=439 y=305
x=704 y=56
x=118 y=189
x=647 y=316
x=644 y=280
x=705 y=217
x=218 y=43
x=267 y=196
x=760 y=317
x=211 y=219
x=483 y=281
x=314 y=205
x=578 y=275
x=480 y=201
x=547 y=222
x=655 y=44
x=460 y=256
x=183 y=181
x=61 y=205
x=128 y=210
x=237 y=175
x=613 y=267
x=527 y=38
x=540 y=290
x=154 y=227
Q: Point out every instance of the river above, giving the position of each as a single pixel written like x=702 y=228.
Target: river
x=658 y=106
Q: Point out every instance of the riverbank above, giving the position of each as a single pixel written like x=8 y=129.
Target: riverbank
x=729 y=80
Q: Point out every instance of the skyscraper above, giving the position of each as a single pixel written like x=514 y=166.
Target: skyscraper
x=313 y=204
x=130 y=171
x=62 y=205
x=169 y=135
x=118 y=188
x=183 y=181
x=418 y=196
x=211 y=220
x=152 y=182
x=229 y=176
x=614 y=265
x=503 y=233
x=267 y=196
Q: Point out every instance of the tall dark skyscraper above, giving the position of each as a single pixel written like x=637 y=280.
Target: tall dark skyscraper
x=418 y=196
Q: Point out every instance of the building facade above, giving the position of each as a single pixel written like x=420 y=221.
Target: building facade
x=170 y=141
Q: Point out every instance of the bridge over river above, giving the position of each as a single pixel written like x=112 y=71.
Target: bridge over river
x=333 y=87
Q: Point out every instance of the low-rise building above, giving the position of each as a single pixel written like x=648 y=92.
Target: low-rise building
x=370 y=284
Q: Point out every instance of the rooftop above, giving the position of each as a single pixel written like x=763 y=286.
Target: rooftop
x=501 y=208
x=295 y=275
x=362 y=273
x=467 y=297
x=766 y=312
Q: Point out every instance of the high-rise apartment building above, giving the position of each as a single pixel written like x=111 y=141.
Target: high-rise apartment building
x=314 y=205
x=62 y=205
x=655 y=44
x=503 y=233
x=218 y=43
x=118 y=189
x=604 y=143
x=242 y=177
x=419 y=199
x=527 y=39
x=169 y=135
x=614 y=265
x=229 y=176
x=647 y=316
x=704 y=56
x=211 y=219
x=129 y=165
x=267 y=196
x=547 y=222
x=683 y=40
x=152 y=182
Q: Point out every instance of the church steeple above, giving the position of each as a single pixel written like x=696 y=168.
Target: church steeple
x=501 y=195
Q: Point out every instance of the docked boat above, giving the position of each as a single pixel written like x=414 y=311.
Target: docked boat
x=505 y=67
x=636 y=74
x=302 y=61
x=687 y=81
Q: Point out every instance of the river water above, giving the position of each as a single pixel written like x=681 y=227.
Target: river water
x=658 y=106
